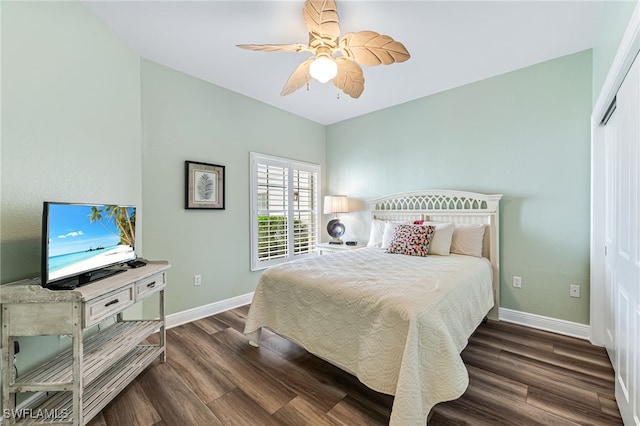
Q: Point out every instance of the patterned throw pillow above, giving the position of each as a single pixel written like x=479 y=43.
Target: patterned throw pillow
x=413 y=240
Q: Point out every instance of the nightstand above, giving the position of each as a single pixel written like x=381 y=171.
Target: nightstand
x=326 y=248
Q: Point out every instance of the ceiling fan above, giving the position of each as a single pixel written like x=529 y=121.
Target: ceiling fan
x=335 y=58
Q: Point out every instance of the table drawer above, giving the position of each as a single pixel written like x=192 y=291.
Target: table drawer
x=110 y=304
x=149 y=286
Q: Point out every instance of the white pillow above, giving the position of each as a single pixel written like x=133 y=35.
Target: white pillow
x=467 y=239
x=441 y=241
x=377 y=230
x=387 y=235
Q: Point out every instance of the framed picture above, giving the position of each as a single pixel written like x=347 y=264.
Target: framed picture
x=204 y=186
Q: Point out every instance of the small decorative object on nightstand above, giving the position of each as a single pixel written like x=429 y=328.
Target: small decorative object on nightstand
x=336 y=204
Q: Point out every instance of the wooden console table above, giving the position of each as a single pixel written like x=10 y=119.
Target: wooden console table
x=82 y=380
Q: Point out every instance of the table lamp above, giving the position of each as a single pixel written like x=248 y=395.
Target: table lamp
x=335 y=204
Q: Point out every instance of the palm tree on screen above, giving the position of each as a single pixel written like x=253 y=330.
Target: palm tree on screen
x=120 y=216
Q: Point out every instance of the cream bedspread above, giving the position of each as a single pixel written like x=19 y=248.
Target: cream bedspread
x=397 y=322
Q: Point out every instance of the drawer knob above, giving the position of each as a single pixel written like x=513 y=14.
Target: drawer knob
x=113 y=302
x=151 y=285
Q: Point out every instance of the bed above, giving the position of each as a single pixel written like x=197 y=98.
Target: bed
x=397 y=322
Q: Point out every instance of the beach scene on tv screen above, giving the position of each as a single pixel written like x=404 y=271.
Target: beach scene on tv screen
x=85 y=237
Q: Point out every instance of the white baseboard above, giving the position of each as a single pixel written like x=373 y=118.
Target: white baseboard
x=179 y=318
x=554 y=325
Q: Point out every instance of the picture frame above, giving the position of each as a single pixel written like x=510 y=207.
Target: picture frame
x=204 y=185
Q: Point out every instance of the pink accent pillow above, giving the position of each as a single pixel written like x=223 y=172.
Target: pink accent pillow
x=412 y=240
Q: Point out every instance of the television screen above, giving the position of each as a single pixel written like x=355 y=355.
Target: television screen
x=78 y=239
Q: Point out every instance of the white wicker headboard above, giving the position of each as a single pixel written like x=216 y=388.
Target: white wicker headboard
x=449 y=206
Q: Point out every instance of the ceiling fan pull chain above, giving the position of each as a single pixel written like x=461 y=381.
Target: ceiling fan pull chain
x=308 y=86
x=337 y=95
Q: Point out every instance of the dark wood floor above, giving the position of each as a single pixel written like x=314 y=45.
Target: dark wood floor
x=518 y=376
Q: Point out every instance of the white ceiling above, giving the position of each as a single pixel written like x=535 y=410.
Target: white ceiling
x=452 y=43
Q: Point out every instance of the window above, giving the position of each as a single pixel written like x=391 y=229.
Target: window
x=285 y=207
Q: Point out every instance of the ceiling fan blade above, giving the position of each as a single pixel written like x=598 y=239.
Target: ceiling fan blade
x=299 y=78
x=370 y=48
x=321 y=18
x=274 y=47
x=350 y=78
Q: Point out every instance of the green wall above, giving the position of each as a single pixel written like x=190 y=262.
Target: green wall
x=70 y=109
x=616 y=17
x=524 y=134
x=188 y=119
x=71 y=129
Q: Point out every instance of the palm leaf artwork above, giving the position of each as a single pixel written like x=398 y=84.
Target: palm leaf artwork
x=205 y=187
x=345 y=55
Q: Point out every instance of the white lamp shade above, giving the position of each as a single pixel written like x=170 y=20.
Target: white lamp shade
x=323 y=69
x=336 y=204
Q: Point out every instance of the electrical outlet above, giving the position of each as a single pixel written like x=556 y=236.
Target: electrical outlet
x=197 y=279
x=517 y=281
x=574 y=290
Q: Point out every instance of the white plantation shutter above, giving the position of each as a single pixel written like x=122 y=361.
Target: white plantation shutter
x=272 y=211
x=285 y=201
x=305 y=209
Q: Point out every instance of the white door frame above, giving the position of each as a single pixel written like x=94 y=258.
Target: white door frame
x=627 y=51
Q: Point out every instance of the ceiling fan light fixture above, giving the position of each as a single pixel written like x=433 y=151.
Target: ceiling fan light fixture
x=323 y=68
x=352 y=50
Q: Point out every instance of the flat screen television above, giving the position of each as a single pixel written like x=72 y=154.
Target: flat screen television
x=82 y=243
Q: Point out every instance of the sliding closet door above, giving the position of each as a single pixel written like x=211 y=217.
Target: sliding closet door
x=626 y=248
x=610 y=289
